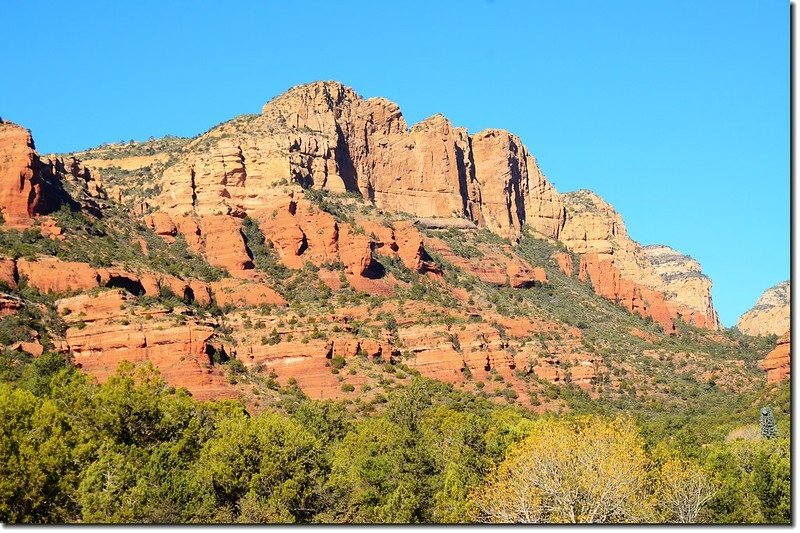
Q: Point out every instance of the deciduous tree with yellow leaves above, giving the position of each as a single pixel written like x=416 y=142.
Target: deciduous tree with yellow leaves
x=585 y=470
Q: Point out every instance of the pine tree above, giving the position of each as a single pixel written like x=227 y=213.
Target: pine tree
x=768 y=428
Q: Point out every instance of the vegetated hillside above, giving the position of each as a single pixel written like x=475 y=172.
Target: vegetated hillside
x=550 y=343
x=415 y=326
x=324 y=136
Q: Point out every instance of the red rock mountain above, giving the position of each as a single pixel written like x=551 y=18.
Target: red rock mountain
x=323 y=135
x=429 y=225
x=771 y=315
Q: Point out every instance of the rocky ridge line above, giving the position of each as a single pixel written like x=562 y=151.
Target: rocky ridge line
x=771 y=315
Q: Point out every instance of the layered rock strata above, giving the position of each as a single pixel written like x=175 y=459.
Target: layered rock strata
x=777 y=364
x=771 y=315
x=672 y=284
x=323 y=135
x=104 y=330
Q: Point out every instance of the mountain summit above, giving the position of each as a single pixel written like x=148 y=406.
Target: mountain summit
x=324 y=230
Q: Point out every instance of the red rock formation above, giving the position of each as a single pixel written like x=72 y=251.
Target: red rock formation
x=33 y=348
x=404 y=241
x=23 y=188
x=512 y=188
x=162 y=225
x=200 y=292
x=564 y=262
x=777 y=364
x=8 y=272
x=103 y=332
x=523 y=275
x=411 y=249
x=187 y=226
x=244 y=293
x=324 y=135
x=492 y=266
x=301 y=233
x=50 y=229
x=49 y=274
x=594 y=226
x=224 y=245
x=355 y=251
x=9 y=304
x=608 y=282
x=52 y=275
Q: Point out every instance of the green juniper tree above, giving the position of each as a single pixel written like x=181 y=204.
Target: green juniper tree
x=768 y=428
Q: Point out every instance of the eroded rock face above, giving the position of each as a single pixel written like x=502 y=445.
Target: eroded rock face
x=684 y=285
x=323 y=135
x=52 y=275
x=494 y=267
x=162 y=225
x=564 y=262
x=608 y=282
x=772 y=313
x=224 y=244
x=244 y=293
x=31 y=186
x=592 y=226
x=24 y=191
x=103 y=332
x=777 y=364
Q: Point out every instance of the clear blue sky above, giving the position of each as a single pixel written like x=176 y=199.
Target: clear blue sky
x=675 y=111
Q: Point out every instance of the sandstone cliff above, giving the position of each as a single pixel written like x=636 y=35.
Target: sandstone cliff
x=594 y=228
x=684 y=284
x=323 y=135
x=771 y=314
x=777 y=364
x=27 y=187
x=107 y=329
x=31 y=186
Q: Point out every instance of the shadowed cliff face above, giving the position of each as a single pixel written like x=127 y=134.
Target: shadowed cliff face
x=31 y=187
x=323 y=135
x=24 y=178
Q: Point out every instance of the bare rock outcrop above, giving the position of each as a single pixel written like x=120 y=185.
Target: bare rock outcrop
x=25 y=181
x=777 y=363
x=324 y=135
x=593 y=226
x=772 y=313
x=240 y=293
x=608 y=282
x=684 y=285
x=499 y=267
x=103 y=331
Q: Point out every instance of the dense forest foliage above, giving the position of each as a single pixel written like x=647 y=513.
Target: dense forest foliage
x=664 y=446
x=136 y=450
